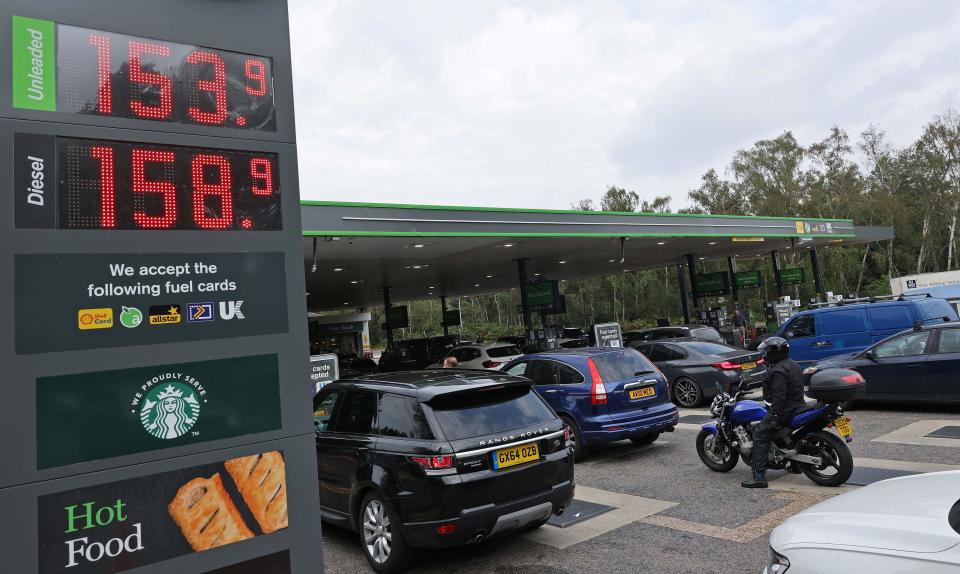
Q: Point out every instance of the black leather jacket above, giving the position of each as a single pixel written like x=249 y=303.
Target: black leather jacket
x=783 y=389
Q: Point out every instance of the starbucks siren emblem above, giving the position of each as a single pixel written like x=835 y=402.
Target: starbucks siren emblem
x=169 y=411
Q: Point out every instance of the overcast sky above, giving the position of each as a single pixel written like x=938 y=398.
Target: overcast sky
x=540 y=104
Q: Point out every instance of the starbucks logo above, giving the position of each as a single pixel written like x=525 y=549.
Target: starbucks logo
x=169 y=410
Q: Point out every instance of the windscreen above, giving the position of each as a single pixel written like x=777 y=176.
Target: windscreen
x=468 y=415
x=507 y=351
x=621 y=365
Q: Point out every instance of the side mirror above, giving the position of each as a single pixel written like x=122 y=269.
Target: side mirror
x=869 y=354
x=789 y=334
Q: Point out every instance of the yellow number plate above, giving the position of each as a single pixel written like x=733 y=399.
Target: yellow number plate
x=746 y=366
x=644 y=392
x=843 y=426
x=515 y=455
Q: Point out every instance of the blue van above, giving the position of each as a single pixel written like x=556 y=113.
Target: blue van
x=848 y=328
x=602 y=395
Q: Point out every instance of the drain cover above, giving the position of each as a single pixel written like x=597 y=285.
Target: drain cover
x=577 y=512
x=696 y=419
x=863 y=476
x=945 y=432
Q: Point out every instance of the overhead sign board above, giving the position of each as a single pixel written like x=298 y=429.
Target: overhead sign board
x=543 y=294
x=397 y=317
x=709 y=284
x=792 y=276
x=155 y=293
x=451 y=318
x=747 y=279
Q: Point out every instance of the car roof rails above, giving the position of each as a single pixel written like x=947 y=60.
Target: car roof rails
x=857 y=300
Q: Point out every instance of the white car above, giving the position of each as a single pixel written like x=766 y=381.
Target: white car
x=908 y=524
x=481 y=355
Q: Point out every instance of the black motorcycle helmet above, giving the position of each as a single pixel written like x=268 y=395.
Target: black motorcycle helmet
x=774 y=349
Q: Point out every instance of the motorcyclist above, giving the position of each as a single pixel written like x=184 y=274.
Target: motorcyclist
x=783 y=392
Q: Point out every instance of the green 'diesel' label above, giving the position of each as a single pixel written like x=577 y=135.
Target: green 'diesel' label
x=34 y=64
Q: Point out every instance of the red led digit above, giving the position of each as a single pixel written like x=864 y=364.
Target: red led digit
x=139 y=76
x=257 y=71
x=108 y=199
x=202 y=189
x=104 y=91
x=141 y=185
x=261 y=172
x=217 y=86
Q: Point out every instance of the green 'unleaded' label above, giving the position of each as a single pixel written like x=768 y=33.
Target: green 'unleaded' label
x=34 y=65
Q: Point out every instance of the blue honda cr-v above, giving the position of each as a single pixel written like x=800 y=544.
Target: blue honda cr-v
x=603 y=395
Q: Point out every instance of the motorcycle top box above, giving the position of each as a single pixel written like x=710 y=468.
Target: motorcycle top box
x=834 y=385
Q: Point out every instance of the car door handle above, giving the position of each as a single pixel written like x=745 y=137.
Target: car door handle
x=551 y=391
x=824 y=344
x=913 y=365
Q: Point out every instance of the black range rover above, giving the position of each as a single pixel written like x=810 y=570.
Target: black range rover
x=427 y=459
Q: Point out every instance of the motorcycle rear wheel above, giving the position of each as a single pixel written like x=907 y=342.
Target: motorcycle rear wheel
x=724 y=461
x=834 y=454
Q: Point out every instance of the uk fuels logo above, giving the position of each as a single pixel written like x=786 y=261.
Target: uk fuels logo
x=169 y=404
x=231 y=310
x=94 y=319
x=199 y=312
x=165 y=314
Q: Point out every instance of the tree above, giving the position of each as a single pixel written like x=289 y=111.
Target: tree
x=583 y=205
x=717 y=196
x=769 y=176
x=619 y=199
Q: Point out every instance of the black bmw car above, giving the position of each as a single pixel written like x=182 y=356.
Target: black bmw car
x=699 y=370
x=428 y=459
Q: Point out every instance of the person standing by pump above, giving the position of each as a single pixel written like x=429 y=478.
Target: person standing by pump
x=783 y=393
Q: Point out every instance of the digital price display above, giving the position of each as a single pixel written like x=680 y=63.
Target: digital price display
x=102 y=184
x=122 y=76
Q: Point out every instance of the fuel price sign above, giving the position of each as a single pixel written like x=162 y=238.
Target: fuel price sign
x=75 y=183
x=117 y=75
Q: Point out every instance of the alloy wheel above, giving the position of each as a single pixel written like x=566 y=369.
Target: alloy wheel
x=687 y=392
x=376 y=531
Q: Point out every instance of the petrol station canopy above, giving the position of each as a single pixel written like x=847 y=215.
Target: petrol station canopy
x=353 y=250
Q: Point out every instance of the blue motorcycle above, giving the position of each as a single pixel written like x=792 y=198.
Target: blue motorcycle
x=804 y=445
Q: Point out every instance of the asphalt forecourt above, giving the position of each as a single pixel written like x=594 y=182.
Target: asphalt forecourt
x=658 y=509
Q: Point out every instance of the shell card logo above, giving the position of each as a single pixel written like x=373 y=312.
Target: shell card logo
x=94 y=319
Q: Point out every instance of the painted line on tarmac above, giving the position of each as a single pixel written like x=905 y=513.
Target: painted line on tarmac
x=626 y=509
x=915 y=434
x=747 y=532
x=800 y=483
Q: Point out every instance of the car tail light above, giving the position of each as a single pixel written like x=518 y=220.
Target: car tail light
x=598 y=393
x=726 y=366
x=446 y=529
x=441 y=462
x=760 y=361
x=491 y=364
x=566 y=434
x=853 y=378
